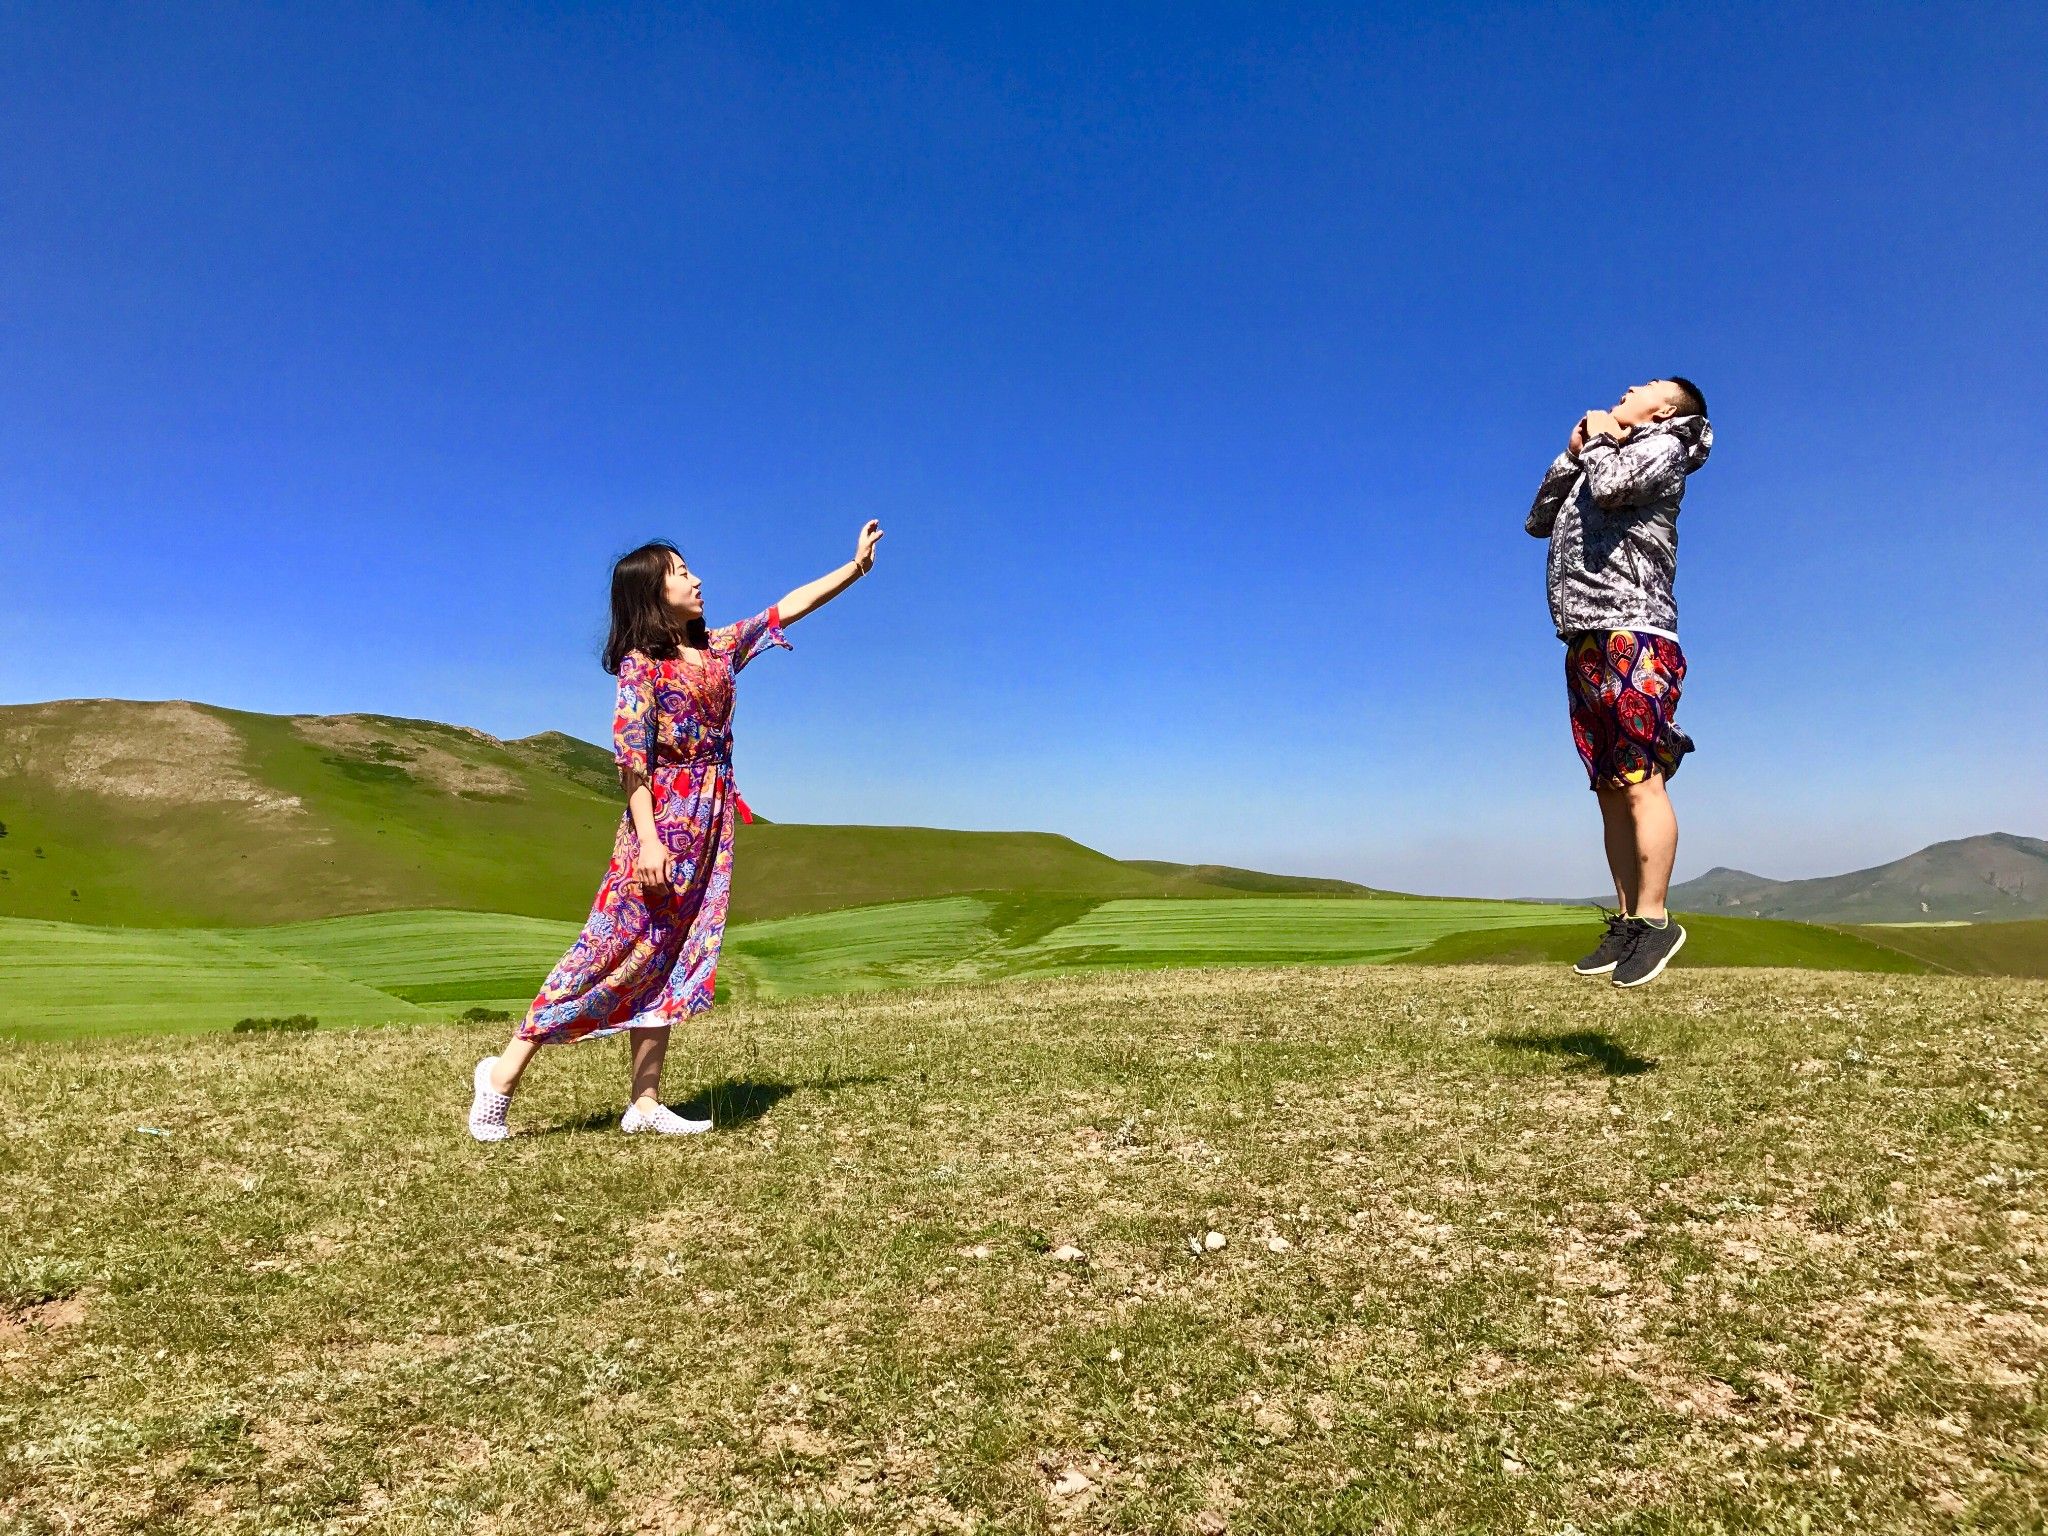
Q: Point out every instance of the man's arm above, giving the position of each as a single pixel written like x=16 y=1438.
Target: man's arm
x=1557 y=484
x=1621 y=475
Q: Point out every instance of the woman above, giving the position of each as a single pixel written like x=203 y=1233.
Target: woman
x=648 y=955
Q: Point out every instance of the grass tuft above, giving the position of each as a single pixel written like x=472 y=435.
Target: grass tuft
x=34 y=1280
x=289 y=1024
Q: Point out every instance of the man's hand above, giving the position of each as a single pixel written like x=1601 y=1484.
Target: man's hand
x=1578 y=438
x=1599 y=424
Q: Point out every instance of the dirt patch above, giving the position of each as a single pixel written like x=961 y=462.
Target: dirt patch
x=21 y=1328
x=2004 y=1350
x=176 y=753
x=383 y=746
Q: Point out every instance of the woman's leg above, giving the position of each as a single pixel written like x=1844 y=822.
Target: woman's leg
x=650 y=1048
x=511 y=1064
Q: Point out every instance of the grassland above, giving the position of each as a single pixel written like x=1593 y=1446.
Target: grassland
x=970 y=938
x=1710 y=941
x=1970 y=949
x=60 y=980
x=64 y=980
x=1501 y=1252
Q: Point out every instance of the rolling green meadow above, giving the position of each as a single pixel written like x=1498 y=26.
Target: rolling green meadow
x=1049 y=1193
x=60 y=980
x=173 y=867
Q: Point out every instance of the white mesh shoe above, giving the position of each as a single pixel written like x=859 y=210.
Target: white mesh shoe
x=487 y=1106
x=663 y=1122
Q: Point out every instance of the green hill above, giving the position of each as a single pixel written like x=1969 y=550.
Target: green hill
x=1257 y=881
x=176 y=814
x=183 y=815
x=781 y=869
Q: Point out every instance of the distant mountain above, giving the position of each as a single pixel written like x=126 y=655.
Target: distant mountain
x=172 y=814
x=1992 y=878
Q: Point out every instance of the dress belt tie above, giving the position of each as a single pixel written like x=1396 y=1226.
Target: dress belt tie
x=686 y=765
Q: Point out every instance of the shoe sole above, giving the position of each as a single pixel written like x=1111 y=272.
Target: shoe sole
x=648 y=1130
x=1598 y=970
x=1642 y=981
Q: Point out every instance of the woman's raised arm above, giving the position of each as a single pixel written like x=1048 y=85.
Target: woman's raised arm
x=816 y=594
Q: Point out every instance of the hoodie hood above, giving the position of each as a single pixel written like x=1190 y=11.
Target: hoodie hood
x=1695 y=433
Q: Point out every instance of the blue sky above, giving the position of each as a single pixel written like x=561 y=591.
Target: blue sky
x=1201 y=362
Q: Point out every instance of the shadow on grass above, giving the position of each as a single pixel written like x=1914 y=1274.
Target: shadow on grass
x=1585 y=1048
x=729 y=1104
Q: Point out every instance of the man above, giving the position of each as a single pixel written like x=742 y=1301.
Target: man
x=1609 y=506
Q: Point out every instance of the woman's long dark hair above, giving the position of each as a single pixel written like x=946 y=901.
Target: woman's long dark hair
x=641 y=620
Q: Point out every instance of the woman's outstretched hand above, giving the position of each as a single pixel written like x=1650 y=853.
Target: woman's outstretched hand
x=809 y=597
x=864 y=551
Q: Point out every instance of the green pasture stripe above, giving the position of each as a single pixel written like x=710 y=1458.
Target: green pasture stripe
x=67 y=979
x=1977 y=949
x=902 y=943
x=993 y=935
x=64 y=979
x=428 y=956
x=1710 y=941
x=1275 y=929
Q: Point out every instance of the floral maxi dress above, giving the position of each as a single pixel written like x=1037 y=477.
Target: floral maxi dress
x=643 y=963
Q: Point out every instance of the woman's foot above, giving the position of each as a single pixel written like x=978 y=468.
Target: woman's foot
x=661 y=1120
x=487 y=1106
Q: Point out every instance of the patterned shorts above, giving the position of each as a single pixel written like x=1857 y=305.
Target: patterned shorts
x=1624 y=688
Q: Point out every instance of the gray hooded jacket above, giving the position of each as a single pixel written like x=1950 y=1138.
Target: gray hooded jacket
x=1611 y=516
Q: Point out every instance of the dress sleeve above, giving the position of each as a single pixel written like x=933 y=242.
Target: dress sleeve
x=633 y=722
x=743 y=641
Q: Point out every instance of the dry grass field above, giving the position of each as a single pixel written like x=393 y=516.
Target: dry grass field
x=1494 y=1250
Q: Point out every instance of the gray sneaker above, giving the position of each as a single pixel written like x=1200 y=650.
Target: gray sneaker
x=1614 y=947
x=1649 y=952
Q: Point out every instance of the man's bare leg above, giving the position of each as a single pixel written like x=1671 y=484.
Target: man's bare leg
x=1654 y=835
x=1619 y=826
